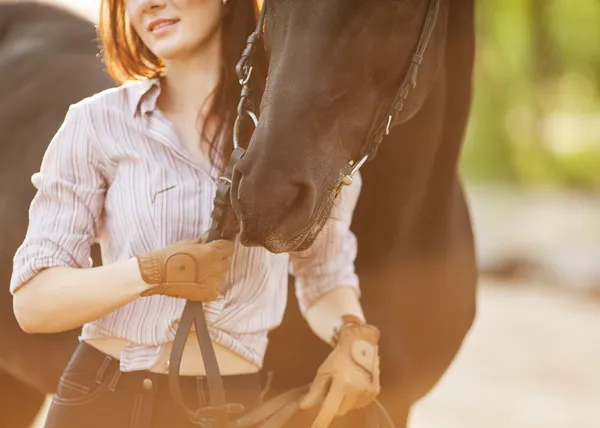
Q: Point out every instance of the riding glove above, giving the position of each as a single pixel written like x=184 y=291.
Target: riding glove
x=349 y=377
x=191 y=269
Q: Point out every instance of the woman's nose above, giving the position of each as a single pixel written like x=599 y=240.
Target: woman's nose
x=147 y=5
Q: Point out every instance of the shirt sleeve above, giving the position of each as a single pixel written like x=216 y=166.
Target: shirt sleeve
x=329 y=263
x=65 y=212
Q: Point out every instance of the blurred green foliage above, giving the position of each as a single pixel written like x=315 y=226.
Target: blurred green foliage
x=536 y=114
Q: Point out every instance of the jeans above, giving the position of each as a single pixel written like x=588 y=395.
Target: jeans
x=94 y=393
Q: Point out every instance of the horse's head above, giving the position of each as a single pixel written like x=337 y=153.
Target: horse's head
x=336 y=68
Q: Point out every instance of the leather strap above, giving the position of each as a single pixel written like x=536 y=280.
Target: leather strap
x=274 y=413
x=193 y=312
x=219 y=410
x=278 y=411
x=408 y=84
x=272 y=408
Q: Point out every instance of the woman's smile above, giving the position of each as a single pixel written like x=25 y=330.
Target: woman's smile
x=161 y=26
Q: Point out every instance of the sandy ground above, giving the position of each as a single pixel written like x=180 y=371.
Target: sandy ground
x=532 y=360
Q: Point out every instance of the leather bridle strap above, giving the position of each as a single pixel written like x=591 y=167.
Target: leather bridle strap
x=369 y=149
x=410 y=82
x=279 y=410
x=193 y=312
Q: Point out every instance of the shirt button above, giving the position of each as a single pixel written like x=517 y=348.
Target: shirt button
x=147 y=383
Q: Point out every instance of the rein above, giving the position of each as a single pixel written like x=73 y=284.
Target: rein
x=277 y=411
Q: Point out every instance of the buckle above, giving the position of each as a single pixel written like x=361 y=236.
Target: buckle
x=208 y=417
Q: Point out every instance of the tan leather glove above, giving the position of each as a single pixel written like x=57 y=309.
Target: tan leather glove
x=191 y=269
x=349 y=377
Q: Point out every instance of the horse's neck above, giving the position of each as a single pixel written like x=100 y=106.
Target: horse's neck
x=397 y=180
x=413 y=179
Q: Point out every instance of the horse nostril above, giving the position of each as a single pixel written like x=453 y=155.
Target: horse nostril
x=270 y=201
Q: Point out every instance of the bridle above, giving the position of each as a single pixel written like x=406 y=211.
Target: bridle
x=369 y=149
x=277 y=411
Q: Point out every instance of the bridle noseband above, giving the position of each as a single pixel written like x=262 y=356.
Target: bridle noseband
x=281 y=408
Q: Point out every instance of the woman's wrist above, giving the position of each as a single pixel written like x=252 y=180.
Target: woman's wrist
x=327 y=313
x=129 y=272
x=346 y=320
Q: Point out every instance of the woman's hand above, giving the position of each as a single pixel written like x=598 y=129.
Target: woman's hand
x=193 y=270
x=349 y=377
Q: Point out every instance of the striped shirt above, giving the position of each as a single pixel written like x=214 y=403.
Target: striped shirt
x=116 y=174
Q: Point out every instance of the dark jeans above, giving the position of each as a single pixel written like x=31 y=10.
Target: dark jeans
x=94 y=393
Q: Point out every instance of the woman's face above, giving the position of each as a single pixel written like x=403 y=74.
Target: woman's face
x=174 y=29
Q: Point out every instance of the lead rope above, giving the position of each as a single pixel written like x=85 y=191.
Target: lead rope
x=193 y=312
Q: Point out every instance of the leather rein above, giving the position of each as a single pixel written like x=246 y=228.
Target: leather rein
x=277 y=411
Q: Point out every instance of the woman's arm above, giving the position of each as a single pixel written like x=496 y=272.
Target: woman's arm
x=54 y=289
x=327 y=286
x=61 y=298
x=327 y=289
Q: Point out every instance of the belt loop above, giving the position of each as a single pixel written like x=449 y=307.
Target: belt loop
x=200 y=390
x=115 y=379
x=102 y=369
x=267 y=387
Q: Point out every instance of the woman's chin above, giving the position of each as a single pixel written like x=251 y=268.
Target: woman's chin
x=167 y=52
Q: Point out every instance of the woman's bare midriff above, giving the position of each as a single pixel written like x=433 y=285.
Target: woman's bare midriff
x=191 y=363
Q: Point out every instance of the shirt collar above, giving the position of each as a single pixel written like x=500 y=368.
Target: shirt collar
x=145 y=95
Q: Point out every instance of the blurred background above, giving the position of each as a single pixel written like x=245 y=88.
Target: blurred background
x=531 y=164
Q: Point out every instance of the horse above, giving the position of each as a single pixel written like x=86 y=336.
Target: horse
x=416 y=258
x=335 y=68
x=48 y=60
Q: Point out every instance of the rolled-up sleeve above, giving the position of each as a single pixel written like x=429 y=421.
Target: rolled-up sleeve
x=66 y=210
x=329 y=263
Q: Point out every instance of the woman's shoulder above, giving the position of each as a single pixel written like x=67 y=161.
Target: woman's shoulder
x=124 y=98
x=105 y=121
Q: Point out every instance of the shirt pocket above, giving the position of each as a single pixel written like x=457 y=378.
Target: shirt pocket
x=178 y=207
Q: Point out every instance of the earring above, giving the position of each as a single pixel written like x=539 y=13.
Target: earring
x=224 y=2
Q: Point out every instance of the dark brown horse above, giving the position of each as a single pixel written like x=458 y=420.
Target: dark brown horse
x=48 y=60
x=335 y=66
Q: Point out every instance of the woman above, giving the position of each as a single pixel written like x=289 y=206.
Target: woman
x=134 y=168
